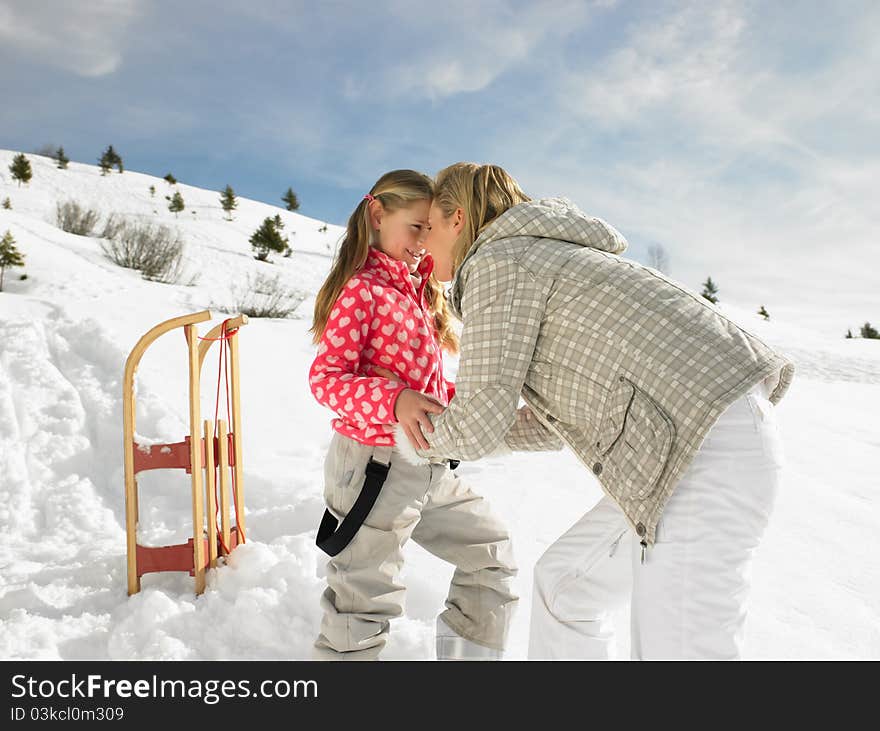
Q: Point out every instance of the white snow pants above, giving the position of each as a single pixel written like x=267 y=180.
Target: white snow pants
x=688 y=600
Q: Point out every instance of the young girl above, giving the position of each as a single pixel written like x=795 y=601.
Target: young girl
x=380 y=322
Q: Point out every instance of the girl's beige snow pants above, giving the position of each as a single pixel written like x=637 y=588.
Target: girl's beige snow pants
x=431 y=505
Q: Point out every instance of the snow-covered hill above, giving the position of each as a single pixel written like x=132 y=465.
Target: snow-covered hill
x=66 y=331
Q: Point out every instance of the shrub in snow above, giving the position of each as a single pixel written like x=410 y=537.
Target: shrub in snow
x=868 y=331
x=177 y=204
x=154 y=250
x=7 y=204
x=47 y=150
x=70 y=216
x=263 y=296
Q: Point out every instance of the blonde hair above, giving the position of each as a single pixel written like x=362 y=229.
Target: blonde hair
x=395 y=190
x=483 y=192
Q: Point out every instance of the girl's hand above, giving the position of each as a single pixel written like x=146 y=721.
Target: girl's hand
x=412 y=409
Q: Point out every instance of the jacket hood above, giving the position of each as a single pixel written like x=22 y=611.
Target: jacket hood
x=548 y=218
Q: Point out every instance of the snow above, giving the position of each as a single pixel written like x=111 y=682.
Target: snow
x=66 y=331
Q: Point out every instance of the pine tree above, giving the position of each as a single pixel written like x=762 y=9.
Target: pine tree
x=7 y=204
x=228 y=201
x=108 y=159
x=177 y=204
x=9 y=255
x=152 y=191
x=870 y=332
x=61 y=159
x=21 y=169
x=848 y=334
x=763 y=313
x=291 y=200
x=105 y=163
x=268 y=238
x=171 y=179
x=710 y=290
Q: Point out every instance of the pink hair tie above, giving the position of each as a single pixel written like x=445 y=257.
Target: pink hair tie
x=369 y=197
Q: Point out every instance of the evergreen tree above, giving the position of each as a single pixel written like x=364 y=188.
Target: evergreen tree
x=763 y=313
x=291 y=200
x=177 y=204
x=21 y=169
x=171 y=179
x=848 y=334
x=228 y=201
x=9 y=255
x=268 y=238
x=7 y=204
x=61 y=159
x=152 y=191
x=110 y=158
x=710 y=290
x=870 y=332
x=105 y=163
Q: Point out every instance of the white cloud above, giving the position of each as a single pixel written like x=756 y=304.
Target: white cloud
x=464 y=46
x=85 y=37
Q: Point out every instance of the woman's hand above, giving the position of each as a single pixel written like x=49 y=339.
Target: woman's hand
x=412 y=409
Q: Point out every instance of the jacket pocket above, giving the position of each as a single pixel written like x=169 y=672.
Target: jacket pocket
x=634 y=443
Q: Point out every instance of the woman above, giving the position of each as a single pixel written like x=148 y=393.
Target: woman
x=662 y=397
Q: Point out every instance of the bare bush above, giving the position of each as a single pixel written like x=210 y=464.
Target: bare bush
x=658 y=258
x=263 y=296
x=113 y=226
x=47 y=150
x=70 y=216
x=154 y=250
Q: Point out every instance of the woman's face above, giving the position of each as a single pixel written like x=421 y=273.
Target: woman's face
x=442 y=234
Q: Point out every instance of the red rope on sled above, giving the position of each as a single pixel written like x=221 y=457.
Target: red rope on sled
x=223 y=371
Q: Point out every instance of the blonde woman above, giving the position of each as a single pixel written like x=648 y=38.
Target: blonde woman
x=666 y=401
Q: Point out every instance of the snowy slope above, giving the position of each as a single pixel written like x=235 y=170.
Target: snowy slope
x=67 y=329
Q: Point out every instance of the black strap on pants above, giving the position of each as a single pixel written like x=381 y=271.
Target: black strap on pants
x=330 y=540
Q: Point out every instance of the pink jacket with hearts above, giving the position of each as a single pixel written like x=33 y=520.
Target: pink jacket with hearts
x=381 y=319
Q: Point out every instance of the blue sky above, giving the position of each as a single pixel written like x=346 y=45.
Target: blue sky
x=740 y=136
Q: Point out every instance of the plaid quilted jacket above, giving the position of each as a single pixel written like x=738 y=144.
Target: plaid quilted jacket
x=622 y=364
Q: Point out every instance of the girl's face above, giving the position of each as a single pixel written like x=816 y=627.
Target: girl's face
x=442 y=235
x=401 y=233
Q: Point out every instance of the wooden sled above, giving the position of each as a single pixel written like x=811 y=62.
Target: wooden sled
x=200 y=457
